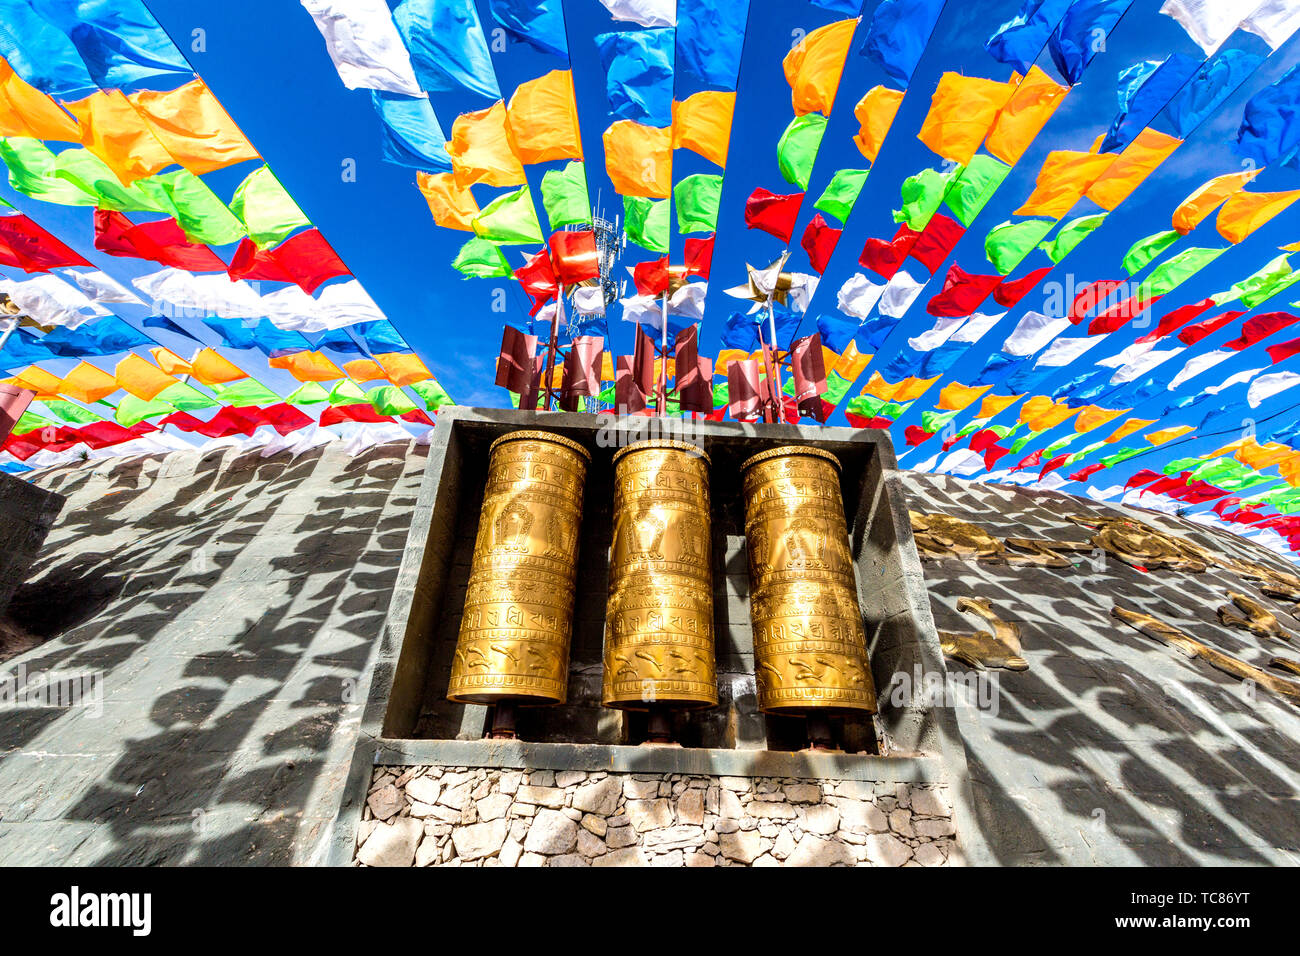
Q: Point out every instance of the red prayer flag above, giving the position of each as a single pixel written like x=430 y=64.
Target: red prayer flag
x=1119 y=315
x=25 y=245
x=699 y=256
x=1261 y=326
x=936 y=241
x=162 y=241
x=885 y=258
x=1010 y=291
x=574 y=257
x=962 y=292
x=1194 y=333
x=772 y=213
x=1091 y=296
x=307 y=260
x=1177 y=319
x=538 y=279
x=651 y=278
x=819 y=241
x=916 y=435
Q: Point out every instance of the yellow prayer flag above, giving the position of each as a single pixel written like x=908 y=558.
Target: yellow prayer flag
x=1245 y=212
x=452 y=207
x=543 y=119
x=88 y=383
x=44 y=384
x=1062 y=181
x=307 y=366
x=875 y=113
x=1130 y=169
x=193 y=127
x=813 y=67
x=364 y=370
x=1192 y=210
x=113 y=130
x=480 y=149
x=403 y=368
x=212 y=368
x=852 y=363
x=702 y=123
x=142 y=379
x=1032 y=104
x=962 y=112
x=639 y=159
x=955 y=396
x=26 y=111
x=1168 y=434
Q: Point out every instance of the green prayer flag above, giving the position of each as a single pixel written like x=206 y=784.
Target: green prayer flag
x=1124 y=454
x=836 y=388
x=796 y=151
x=509 y=219
x=347 y=392
x=196 y=208
x=606 y=397
x=564 y=196
x=91 y=174
x=246 y=392
x=29 y=421
x=721 y=394
x=70 y=412
x=390 y=400
x=308 y=393
x=646 y=222
x=868 y=406
x=1170 y=274
x=972 y=187
x=1267 y=282
x=1071 y=234
x=1144 y=250
x=1006 y=245
x=933 y=421
x=481 y=259
x=266 y=208
x=433 y=395
x=186 y=397
x=32 y=172
x=132 y=410
x=696 y=200
x=841 y=193
x=922 y=196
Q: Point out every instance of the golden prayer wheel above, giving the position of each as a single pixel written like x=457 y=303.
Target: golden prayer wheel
x=810 y=646
x=514 y=635
x=659 y=621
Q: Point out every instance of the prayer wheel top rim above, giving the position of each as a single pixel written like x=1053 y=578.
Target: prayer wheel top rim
x=668 y=443
x=786 y=450
x=533 y=435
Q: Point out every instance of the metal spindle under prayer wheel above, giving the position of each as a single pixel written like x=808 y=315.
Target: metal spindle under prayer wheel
x=513 y=648
x=810 y=648
x=659 y=654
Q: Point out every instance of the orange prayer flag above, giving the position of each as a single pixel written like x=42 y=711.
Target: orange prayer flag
x=996 y=404
x=364 y=370
x=26 y=111
x=726 y=357
x=1130 y=169
x=906 y=390
x=88 y=383
x=1193 y=210
x=1064 y=178
x=113 y=130
x=1041 y=413
x=702 y=123
x=307 y=366
x=606 y=367
x=813 y=67
x=480 y=149
x=403 y=368
x=142 y=379
x=1290 y=470
x=1128 y=428
x=962 y=112
x=1245 y=212
x=193 y=127
x=639 y=159
x=852 y=363
x=1263 y=456
x=44 y=384
x=875 y=113
x=542 y=119
x=1168 y=434
x=211 y=368
x=170 y=362
x=955 y=396
x=1093 y=416
x=452 y=207
x=1023 y=117
x=1293 y=247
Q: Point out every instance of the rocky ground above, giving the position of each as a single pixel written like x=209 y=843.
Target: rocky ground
x=436 y=816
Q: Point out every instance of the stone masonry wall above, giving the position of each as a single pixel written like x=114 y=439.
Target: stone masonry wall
x=458 y=816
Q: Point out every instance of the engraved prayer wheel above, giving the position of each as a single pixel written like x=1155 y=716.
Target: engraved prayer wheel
x=659 y=620
x=514 y=635
x=810 y=647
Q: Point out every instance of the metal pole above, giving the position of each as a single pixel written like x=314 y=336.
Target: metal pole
x=554 y=345
x=762 y=344
x=776 y=354
x=663 y=361
x=13 y=324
